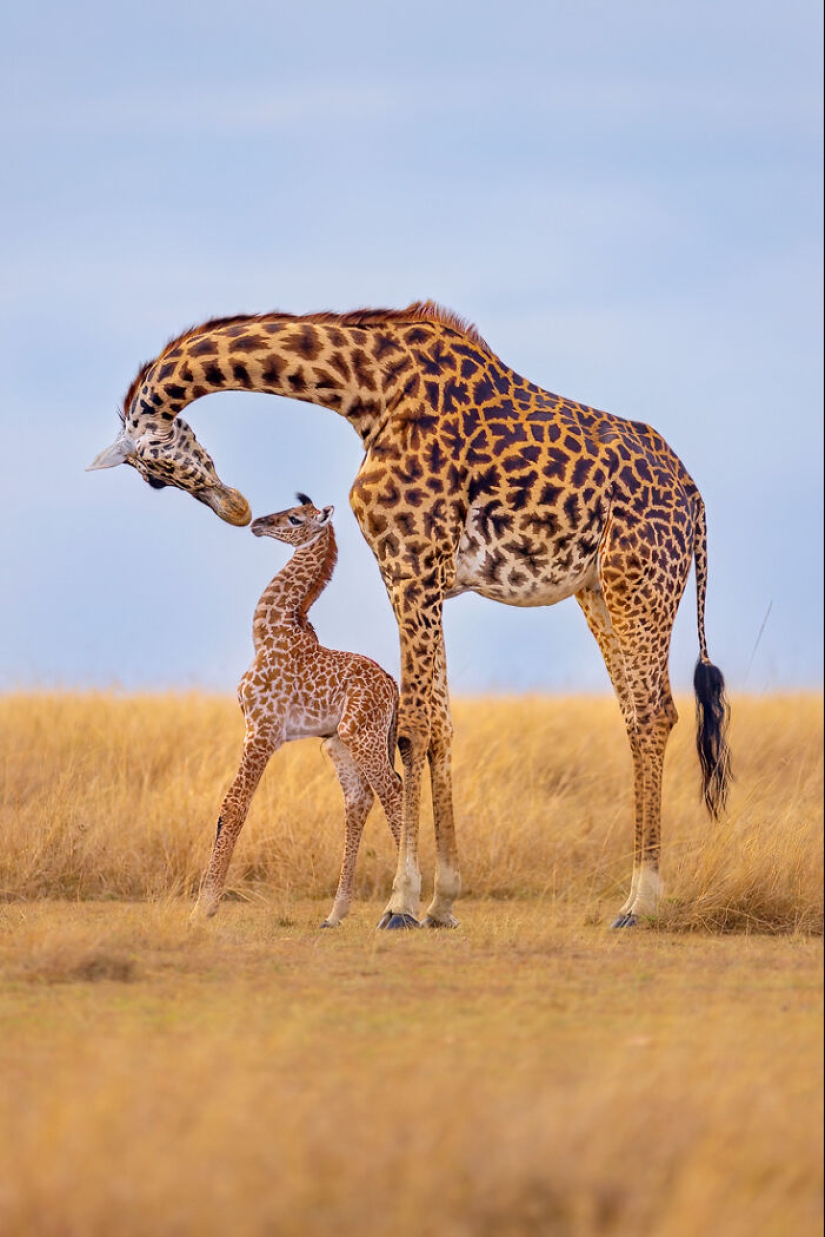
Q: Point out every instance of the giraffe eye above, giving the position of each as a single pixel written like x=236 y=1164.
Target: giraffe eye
x=295 y=519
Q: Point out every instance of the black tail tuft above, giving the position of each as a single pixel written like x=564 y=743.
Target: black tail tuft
x=712 y=715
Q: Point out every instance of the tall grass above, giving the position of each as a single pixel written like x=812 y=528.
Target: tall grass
x=107 y=796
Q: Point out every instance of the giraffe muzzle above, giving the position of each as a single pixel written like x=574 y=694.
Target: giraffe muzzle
x=229 y=504
x=262 y=526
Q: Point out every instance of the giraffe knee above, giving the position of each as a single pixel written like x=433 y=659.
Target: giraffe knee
x=404 y=746
x=412 y=746
x=667 y=714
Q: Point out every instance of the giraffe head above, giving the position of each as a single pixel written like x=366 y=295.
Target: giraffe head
x=173 y=456
x=297 y=526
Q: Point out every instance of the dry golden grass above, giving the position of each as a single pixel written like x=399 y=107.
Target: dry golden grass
x=531 y=1073
x=116 y=797
x=526 y=1075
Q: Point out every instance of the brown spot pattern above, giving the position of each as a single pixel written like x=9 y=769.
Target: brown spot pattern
x=296 y=688
x=473 y=479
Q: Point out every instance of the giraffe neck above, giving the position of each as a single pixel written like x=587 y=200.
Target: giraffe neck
x=288 y=597
x=357 y=371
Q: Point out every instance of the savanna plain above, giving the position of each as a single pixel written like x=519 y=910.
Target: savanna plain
x=531 y=1072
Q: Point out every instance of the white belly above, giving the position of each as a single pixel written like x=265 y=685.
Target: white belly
x=311 y=721
x=518 y=572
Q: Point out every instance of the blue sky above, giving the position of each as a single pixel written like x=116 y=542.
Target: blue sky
x=626 y=199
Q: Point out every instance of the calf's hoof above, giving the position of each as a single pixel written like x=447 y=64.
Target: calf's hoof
x=625 y=921
x=200 y=914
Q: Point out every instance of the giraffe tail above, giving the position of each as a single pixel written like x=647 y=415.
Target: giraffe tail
x=712 y=708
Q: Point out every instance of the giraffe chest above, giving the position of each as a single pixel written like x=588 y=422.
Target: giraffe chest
x=525 y=558
x=301 y=692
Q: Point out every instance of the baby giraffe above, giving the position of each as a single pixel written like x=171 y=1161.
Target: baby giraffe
x=297 y=689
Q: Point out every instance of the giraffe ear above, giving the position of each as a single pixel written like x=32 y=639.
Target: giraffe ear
x=118 y=453
x=326 y=514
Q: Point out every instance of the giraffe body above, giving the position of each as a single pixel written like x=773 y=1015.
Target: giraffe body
x=297 y=689
x=472 y=479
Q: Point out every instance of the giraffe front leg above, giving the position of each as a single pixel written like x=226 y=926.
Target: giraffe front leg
x=234 y=809
x=447 y=885
x=402 y=908
x=418 y=612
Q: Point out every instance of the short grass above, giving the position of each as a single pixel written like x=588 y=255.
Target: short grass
x=528 y=1074
x=531 y=1073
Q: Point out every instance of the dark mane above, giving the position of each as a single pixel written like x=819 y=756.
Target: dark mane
x=418 y=311
x=133 y=386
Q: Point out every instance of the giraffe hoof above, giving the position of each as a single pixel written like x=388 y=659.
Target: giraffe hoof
x=327 y=924
x=625 y=921
x=392 y=921
x=429 y=922
x=200 y=914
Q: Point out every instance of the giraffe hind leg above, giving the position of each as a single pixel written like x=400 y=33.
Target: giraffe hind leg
x=637 y=663
x=358 y=799
x=364 y=730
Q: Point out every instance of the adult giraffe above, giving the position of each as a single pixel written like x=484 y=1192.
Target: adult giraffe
x=473 y=479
